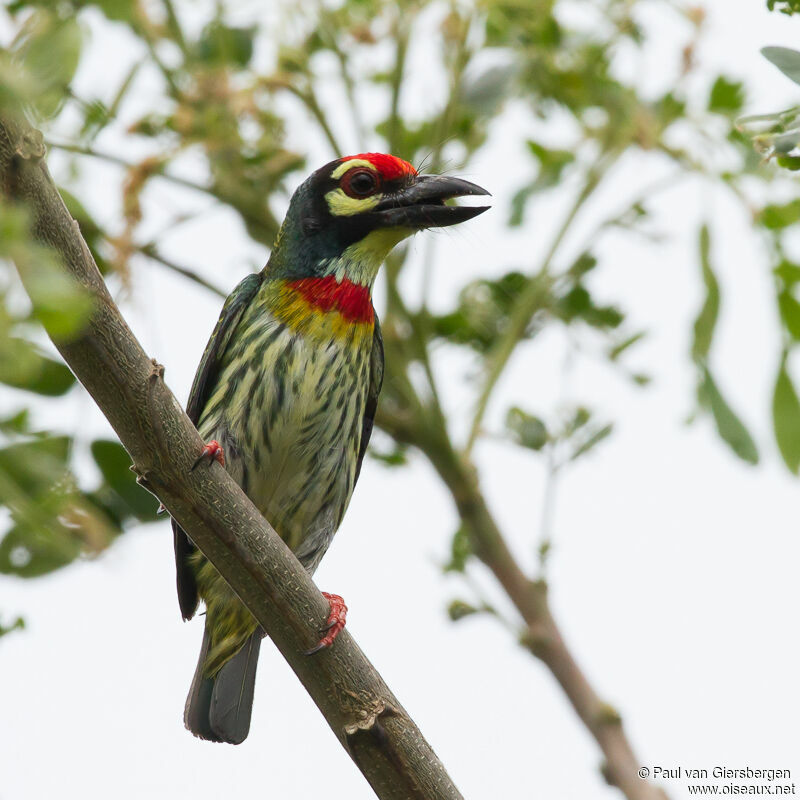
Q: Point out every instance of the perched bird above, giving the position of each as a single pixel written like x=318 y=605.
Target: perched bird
x=286 y=394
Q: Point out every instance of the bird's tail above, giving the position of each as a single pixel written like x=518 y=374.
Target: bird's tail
x=218 y=707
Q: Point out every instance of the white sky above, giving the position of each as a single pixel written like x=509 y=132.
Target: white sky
x=674 y=573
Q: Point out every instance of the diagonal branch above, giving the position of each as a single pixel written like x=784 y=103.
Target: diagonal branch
x=151 y=251
x=129 y=388
x=541 y=634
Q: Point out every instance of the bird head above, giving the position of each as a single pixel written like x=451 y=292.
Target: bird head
x=347 y=216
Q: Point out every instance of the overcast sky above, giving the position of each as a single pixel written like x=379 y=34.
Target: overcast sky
x=674 y=572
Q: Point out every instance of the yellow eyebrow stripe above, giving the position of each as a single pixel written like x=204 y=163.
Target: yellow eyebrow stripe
x=349 y=164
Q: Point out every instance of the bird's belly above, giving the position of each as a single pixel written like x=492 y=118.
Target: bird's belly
x=291 y=429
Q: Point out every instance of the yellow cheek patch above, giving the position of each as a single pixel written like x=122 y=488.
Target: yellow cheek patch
x=340 y=205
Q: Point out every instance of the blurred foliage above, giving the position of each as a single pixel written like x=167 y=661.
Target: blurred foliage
x=777 y=135
x=17 y=625
x=226 y=88
x=53 y=521
x=784 y=6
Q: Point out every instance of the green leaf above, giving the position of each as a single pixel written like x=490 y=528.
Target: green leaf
x=618 y=349
x=707 y=318
x=528 y=431
x=729 y=426
x=552 y=164
x=17 y=423
x=777 y=217
x=30 y=552
x=14 y=228
x=53 y=522
x=59 y=303
x=792 y=163
x=786 y=418
x=396 y=457
x=118 y=10
x=582 y=265
x=594 y=438
x=32 y=467
x=460 y=551
x=458 y=609
x=727 y=97
x=788 y=273
x=790 y=313
x=223 y=45
x=787 y=7
x=579 y=418
x=484 y=307
x=49 y=48
x=24 y=366
x=578 y=304
x=17 y=625
x=115 y=465
x=669 y=108
x=785 y=59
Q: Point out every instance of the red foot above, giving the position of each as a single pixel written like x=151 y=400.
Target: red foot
x=211 y=452
x=334 y=625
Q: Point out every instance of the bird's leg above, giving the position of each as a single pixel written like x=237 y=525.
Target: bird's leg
x=211 y=452
x=334 y=625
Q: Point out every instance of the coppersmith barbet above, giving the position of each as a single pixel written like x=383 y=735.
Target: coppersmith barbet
x=286 y=394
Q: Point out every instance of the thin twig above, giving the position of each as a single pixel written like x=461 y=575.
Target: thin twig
x=309 y=99
x=265 y=220
x=542 y=636
x=175 y=26
x=530 y=300
x=92 y=152
x=328 y=32
x=400 y=34
x=150 y=251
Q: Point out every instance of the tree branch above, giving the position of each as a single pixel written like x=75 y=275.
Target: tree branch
x=151 y=251
x=129 y=389
x=541 y=635
x=530 y=300
x=260 y=222
x=308 y=98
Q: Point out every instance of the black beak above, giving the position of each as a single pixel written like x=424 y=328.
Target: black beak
x=422 y=203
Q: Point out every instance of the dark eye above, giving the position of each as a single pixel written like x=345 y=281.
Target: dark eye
x=359 y=182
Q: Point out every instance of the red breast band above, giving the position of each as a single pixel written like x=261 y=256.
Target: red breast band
x=350 y=299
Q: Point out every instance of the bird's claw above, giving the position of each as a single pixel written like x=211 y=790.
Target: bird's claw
x=211 y=452
x=334 y=624
x=162 y=509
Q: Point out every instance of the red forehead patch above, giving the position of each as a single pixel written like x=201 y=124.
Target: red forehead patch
x=390 y=167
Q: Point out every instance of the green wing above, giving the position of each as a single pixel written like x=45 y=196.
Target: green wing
x=204 y=381
x=206 y=376
x=375 y=383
